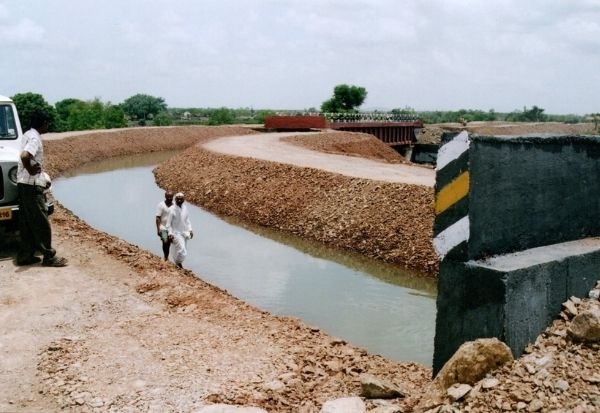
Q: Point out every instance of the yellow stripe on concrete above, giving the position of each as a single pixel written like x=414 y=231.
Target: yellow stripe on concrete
x=452 y=193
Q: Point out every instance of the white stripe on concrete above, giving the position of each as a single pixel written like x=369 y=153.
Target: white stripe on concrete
x=452 y=150
x=451 y=237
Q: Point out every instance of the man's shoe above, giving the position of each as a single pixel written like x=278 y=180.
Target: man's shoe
x=28 y=261
x=55 y=262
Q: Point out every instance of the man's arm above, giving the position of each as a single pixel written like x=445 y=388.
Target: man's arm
x=32 y=168
x=188 y=223
x=157 y=220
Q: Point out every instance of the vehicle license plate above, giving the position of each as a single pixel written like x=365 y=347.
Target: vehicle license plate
x=5 y=214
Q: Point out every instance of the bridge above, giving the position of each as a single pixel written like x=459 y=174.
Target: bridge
x=397 y=131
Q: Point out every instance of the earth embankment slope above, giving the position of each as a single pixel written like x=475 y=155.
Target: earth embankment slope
x=388 y=221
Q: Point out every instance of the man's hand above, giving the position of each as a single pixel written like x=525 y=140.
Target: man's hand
x=34 y=169
x=191 y=234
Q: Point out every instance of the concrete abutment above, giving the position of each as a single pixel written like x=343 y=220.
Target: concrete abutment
x=517 y=227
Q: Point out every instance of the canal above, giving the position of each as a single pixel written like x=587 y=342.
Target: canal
x=380 y=307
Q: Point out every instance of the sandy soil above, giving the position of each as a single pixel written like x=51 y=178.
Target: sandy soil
x=119 y=330
x=270 y=147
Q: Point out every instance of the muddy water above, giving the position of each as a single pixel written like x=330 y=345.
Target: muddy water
x=372 y=305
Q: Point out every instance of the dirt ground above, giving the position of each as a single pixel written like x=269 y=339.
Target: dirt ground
x=119 y=330
x=433 y=133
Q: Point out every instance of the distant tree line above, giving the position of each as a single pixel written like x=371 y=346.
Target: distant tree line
x=141 y=109
x=535 y=114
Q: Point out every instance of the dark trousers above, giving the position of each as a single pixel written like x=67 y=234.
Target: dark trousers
x=34 y=227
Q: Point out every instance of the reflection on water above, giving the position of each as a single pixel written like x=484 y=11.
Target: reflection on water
x=122 y=162
x=377 y=306
x=385 y=272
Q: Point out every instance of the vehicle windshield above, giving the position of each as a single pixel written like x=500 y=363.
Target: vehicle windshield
x=8 y=127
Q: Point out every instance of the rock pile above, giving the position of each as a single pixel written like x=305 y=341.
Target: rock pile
x=558 y=373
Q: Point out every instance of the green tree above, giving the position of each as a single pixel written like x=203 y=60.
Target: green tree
x=63 y=110
x=28 y=102
x=407 y=110
x=86 y=115
x=262 y=114
x=114 y=117
x=163 y=118
x=345 y=99
x=221 y=116
x=534 y=114
x=142 y=107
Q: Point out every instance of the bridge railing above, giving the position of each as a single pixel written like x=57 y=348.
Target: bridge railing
x=369 y=117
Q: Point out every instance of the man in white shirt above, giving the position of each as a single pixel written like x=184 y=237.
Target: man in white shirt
x=162 y=212
x=34 y=228
x=179 y=228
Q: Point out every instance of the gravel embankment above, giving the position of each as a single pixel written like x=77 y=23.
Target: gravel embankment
x=385 y=221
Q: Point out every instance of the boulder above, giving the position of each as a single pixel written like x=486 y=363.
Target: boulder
x=472 y=361
x=344 y=405
x=225 y=408
x=586 y=326
x=373 y=388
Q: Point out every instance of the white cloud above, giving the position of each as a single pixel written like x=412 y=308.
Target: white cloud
x=20 y=33
x=433 y=54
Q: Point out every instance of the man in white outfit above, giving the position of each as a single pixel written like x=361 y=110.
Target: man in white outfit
x=179 y=229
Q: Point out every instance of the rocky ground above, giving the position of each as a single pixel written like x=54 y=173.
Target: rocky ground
x=433 y=133
x=120 y=330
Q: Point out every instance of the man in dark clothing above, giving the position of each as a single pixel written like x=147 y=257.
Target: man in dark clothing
x=34 y=227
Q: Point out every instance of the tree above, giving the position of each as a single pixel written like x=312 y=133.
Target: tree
x=114 y=117
x=221 y=116
x=407 y=110
x=26 y=103
x=86 y=115
x=143 y=107
x=75 y=114
x=63 y=111
x=534 y=114
x=345 y=99
x=262 y=114
x=163 y=118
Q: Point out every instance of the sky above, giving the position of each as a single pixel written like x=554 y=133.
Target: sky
x=504 y=55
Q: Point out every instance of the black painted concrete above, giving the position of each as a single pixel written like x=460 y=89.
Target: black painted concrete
x=532 y=191
x=534 y=213
x=513 y=297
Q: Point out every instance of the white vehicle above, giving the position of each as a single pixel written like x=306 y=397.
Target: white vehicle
x=10 y=150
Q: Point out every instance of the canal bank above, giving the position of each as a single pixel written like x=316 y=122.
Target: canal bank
x=368 y=303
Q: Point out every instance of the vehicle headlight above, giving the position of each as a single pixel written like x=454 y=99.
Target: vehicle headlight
x=12 y=174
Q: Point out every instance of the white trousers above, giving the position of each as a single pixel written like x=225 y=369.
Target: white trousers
x=179 y=247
